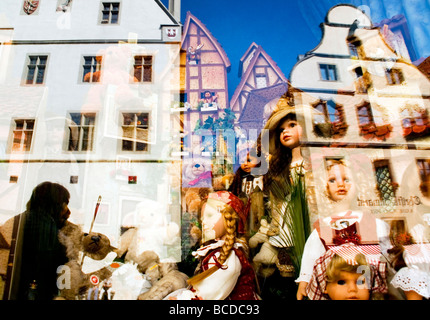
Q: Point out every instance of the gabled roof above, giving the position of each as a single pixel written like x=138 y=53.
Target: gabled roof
x=258 y=51
x=191 y=18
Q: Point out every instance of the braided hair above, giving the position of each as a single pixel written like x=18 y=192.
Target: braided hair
x=231 y=219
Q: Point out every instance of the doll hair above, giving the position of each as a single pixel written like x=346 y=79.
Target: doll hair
x=231 y=220
x=398 y=237
x=338 y=264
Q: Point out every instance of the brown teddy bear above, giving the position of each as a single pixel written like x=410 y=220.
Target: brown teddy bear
x=90 y=256
x=171 y=279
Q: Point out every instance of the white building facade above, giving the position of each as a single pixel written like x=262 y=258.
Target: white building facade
x=86 y=90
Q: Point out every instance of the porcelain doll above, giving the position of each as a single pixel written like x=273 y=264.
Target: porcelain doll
x=346 y=274
x=224 y=271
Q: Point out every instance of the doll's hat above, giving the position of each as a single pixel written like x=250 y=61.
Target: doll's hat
x=234 y=202
x=302 y=112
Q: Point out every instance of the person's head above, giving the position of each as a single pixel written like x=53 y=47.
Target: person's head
x=345 y=281
x=338 y=180
x=51 y=199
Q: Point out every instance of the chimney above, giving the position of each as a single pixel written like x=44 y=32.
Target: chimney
x=175 y=9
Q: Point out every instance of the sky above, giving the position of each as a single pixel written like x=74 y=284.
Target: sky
x=288 y=28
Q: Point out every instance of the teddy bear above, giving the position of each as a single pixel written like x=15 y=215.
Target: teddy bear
x=197 y=173
x=148 y=229
x=89 y=258
x=171 y=279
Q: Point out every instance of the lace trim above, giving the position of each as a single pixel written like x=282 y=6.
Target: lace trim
x=409 y=279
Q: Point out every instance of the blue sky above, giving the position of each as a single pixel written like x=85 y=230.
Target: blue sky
x=287 y=28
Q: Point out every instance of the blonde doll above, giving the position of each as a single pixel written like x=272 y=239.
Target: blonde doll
x=344 y=274
x=224 y=271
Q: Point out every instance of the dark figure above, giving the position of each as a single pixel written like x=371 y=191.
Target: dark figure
x=40 y=250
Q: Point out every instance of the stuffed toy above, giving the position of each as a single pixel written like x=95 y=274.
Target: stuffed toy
x=134 y=278
x=171 y=279
x=264 y=261
x=90 y=257
x=148 y=230
x=197 y=173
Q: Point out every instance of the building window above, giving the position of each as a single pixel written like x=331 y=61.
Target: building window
x=22 y=134
x=385 y=185
x=424 y=172
x=81 y=131
x=143 y=68
x=353 y=50
x=394 y=76
x=329 y=121
x=328 y=72
x=372 y=123
x=261 y=81
x=415 y=122
x=135 y=131
x=91 y=69
x=110 y=12
x=36 y=69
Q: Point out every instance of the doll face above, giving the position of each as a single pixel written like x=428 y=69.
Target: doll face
x=348 y=286
x=250 y=162
x=290 y=133
x=338 y=182
x=212 y=220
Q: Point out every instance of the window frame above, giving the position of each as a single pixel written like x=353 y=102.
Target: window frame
x=339 y=125
x=97 y=65
x=25 y=80
x=390 y=76
x=327 y=71
x=424 y=176
x=108 y=21
x=134 y=127
x=13 y=130
x=142 y=65
x=81 y=130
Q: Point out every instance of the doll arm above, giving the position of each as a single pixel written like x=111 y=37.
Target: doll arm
x=221 y=283
x=312 y=251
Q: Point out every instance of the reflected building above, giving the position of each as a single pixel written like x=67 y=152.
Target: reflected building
x=86 y=91
x=373 y=106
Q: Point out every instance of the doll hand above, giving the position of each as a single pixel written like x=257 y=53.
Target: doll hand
x=301 y=290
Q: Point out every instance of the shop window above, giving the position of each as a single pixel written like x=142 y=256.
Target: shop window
x=22 y=134
x=329 y=122
x=36 y=69
x=328 y=72
x=135 y=131
x=81 y=131
x=142 y=68
x=372 y=124
x=424 y=173
x=385 y=185
x=394 y=76
x=110 y=13
x=91 y=69
x=415 y=122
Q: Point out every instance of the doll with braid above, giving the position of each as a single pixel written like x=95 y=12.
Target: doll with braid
x=224 y=272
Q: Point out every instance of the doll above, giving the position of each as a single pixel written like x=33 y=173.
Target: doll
x=224 y=271
x=356 y=227
x=286 y=166
x=346 y=274
x=338 y=180
x=411 y=260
